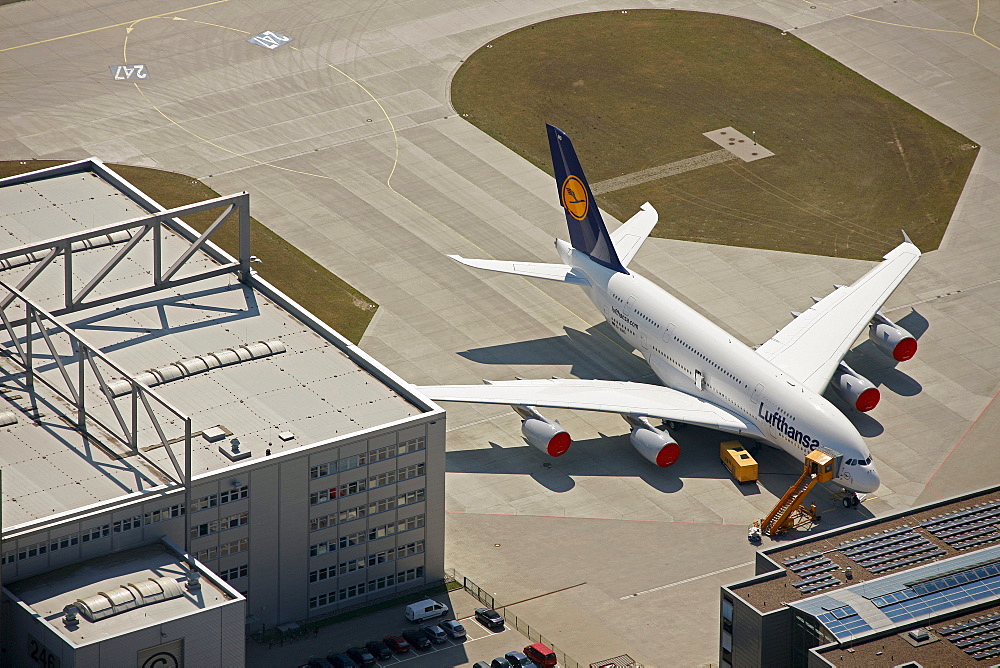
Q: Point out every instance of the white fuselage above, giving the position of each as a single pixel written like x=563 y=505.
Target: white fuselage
x=691 y=354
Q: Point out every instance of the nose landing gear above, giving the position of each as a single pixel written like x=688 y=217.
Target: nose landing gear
x=850 y=499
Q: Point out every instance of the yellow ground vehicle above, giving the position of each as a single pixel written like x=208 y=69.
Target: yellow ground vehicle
x=741 y=465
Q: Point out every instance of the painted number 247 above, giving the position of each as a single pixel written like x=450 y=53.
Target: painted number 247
x=123 y=72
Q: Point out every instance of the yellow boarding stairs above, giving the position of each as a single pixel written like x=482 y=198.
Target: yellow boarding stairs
x=821 y=465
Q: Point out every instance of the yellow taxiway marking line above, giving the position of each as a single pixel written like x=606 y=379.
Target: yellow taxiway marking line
x=115 y=25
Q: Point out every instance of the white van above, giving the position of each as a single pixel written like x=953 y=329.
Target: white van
x=425 y=609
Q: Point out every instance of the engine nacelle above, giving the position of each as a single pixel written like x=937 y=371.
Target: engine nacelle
x=892 y=339
x=855 y=389
x=655 y=445
x=546 y=435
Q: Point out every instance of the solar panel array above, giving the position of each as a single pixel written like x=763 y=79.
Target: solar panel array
x=815 y=571
x=891 y=549
x=947 y=592
x=844 y=622
x=979 y=638
x=967 y=528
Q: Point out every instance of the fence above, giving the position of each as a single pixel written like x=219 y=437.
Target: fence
x=512 y=619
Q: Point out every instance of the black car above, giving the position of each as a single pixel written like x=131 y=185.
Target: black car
x=416 y=639
x=489 y=617
x=361 y=655
x=319 y=663
x=378 y=649
x=341 y=661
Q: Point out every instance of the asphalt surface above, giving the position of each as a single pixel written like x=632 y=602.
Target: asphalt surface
x=346 y=141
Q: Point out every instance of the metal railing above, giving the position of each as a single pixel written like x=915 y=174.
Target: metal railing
x=519 y=624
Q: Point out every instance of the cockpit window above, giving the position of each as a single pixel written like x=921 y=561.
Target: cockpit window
x=852 y=462
x=868 y=461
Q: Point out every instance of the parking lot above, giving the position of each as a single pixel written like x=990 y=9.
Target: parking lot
x=481 y=644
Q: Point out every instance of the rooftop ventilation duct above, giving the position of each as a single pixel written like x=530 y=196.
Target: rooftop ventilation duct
x=128 y=597
x=191 y=366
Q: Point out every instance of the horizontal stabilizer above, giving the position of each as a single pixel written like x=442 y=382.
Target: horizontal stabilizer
x=629 y=237
x=552 y=272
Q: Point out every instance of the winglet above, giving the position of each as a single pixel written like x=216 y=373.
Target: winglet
x=905 y=237
x=587 y=231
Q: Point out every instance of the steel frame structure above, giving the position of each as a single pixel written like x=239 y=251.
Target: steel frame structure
x=68 y=245
x=28 y=324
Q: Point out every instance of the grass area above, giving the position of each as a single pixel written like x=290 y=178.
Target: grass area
x=283 y=265
x=854 y=164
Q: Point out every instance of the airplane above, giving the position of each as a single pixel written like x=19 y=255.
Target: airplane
x=772 y=394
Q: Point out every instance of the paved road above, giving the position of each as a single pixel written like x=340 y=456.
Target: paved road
x=346 y=141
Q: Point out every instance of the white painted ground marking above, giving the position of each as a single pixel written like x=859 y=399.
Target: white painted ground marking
x=680 y=582
x=473 y=424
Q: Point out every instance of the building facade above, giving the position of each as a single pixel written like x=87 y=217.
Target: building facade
x=184 y=398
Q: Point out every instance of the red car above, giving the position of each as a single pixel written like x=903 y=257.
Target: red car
x=541 y=655
x=397 y=644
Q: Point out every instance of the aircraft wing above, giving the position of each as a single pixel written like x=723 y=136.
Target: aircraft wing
x=810 y=347
x=608 y=396
x=629 y=237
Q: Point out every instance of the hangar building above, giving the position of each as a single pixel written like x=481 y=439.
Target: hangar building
x=168 y=411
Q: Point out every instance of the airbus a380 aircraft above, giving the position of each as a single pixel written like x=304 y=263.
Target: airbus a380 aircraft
x=772 y=394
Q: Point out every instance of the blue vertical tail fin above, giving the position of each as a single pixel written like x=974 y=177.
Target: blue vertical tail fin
x=587 y=231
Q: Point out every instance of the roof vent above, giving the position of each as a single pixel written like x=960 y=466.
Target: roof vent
x=189 y=367
x=71 y=620
x=126 y=597
x=919 y=635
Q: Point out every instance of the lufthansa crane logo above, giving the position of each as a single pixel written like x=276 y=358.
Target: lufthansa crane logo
x=574 y=197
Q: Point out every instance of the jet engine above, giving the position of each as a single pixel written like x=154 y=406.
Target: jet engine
x=655 y=445
x=542 y=433
x=854 y=388
x=891 y=339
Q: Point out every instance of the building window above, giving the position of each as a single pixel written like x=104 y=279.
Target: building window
x=128 y=524
x=352 y=592
x=222 y=524
x=412 y=471
x=412 y=445
x=213 y=500
x=377 y=455
x=356 y=538
x=410 y=574
x=409 y=523
x=235 y=573
x=319 y=549
x=234 y=546
x=322 y=600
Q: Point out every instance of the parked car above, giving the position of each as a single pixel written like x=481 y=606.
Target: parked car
x=378 y=649
x=434 y=633
x=541 y=654
x=416 y=639
x=339 y=660
x=453 y=628
x=489 y=617
x=500 y=662
x=319 y=663
x=397 y=644
x=519 y=660
x=361 y=655
x=480 y=664
x=425 y=609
